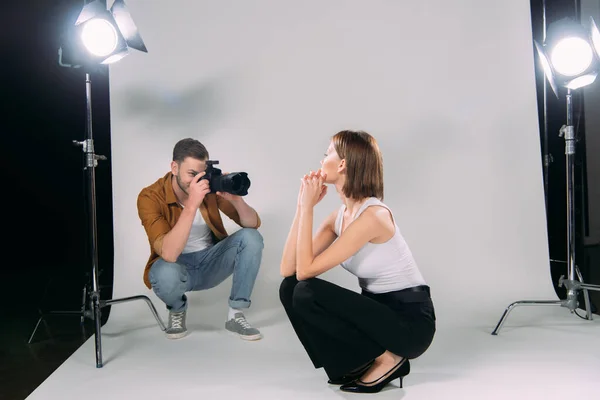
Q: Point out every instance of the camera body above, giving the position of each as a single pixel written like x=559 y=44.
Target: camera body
x=236 y=183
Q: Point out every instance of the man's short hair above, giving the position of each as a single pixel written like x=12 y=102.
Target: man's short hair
x=189 y=148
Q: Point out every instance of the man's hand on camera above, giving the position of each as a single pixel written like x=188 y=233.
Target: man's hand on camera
x=228 y=196
x=198 y=189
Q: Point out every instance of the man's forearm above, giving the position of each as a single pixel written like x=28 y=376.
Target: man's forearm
x=174 y=241
x=248 y=215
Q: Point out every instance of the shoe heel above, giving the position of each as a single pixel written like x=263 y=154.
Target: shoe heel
x=358 y=386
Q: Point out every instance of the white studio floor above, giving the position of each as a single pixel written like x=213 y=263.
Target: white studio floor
x=540 y=353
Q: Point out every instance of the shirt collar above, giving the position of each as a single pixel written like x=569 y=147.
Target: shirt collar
x=169 y=192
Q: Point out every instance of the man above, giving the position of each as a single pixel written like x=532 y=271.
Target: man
x=190 y=249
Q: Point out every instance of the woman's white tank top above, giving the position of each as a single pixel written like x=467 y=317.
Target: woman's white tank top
x=383 y=267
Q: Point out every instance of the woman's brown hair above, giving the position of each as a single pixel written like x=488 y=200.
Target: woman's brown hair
x=364 y=164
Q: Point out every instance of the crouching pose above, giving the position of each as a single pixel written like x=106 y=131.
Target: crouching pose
x=362 y=340
x=190 y=249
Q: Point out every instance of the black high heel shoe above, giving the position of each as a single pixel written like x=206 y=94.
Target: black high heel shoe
x=399 y=371
x=351 y=376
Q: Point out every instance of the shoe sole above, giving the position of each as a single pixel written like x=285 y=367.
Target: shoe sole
x=176 y=335
x=248 y=338
x=251 y=338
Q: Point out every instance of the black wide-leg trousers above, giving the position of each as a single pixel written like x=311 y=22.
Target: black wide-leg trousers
x=342 y=330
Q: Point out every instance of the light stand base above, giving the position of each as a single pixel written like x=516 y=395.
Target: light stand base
x=573 y=287
x=99 y=304
x=95 y=315
x=82 y=313
x=43 y=317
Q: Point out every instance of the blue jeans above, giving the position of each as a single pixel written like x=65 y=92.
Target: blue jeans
x=239 y=254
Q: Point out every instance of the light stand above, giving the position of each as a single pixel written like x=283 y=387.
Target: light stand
x=572 y=285
x=127 y=36
x=96 y=304
x=571 y=81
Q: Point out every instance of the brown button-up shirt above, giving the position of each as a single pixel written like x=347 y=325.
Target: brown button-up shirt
x=159 y=211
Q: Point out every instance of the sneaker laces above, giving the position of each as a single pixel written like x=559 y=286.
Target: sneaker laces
x=177 y=320
x=242 y=321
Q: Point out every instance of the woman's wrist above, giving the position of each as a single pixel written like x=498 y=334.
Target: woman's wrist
x=305 y=209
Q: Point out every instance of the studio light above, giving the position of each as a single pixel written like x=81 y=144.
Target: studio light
x=99 y=36
x=570 y=57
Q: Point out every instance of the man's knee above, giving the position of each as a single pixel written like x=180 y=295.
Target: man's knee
x=167 y=277
x=251 y=237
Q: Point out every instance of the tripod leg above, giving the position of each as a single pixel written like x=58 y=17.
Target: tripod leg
x=133 y=298
x=83 y=305
x=35 y=329
x=588 y=306
x=586 y=295
x=523 y=303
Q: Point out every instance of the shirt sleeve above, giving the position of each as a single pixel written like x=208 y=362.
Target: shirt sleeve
x=229 y=210
x=153 y=220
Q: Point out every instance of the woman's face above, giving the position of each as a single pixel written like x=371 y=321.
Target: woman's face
x=331 y=164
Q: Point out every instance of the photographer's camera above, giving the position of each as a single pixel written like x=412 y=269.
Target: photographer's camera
x=236 y=183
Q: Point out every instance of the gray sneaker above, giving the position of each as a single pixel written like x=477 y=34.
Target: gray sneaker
x=240 y=326
x=176 y=328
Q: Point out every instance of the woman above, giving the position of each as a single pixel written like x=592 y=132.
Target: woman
x=362 y=340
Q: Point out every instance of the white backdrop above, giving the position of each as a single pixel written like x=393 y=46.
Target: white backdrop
x=447 y=88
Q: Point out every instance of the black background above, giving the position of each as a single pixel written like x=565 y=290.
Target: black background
x=47 y=254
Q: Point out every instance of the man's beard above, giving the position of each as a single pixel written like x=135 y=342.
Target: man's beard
x=180 y=184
